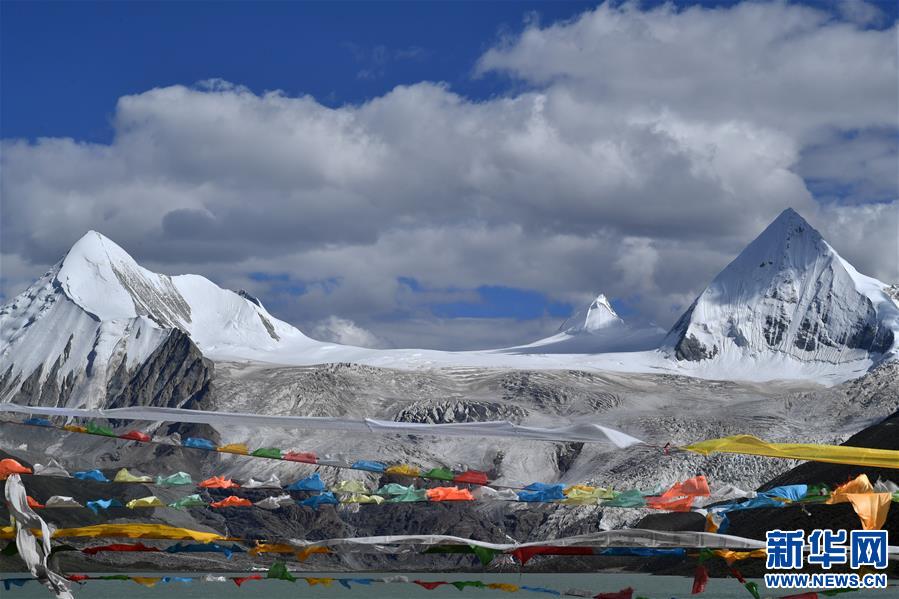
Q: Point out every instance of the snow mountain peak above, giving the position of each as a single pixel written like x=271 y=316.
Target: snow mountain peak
x=97 y=316
x=596 y=316
x=104 y=280
x=789 y=293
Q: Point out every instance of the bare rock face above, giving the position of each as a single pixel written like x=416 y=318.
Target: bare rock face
x=788 y=293
x=176 y=375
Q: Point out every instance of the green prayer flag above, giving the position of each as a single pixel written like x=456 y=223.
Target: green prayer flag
x=705 y=555
x=485 y=554
x=395 y=489
x=114 y=577
x=279 y=571
x=461 y=584
x=439 y=474
x=190 y=501
x=632 y=498
x=96 y=429
x=753 y=588
x=267 y=452
x=413 y=495
x=179 y=478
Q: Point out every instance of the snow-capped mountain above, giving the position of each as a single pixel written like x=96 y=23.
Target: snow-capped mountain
x=96 y=317
x=100 y=329
x=597 y=316
x=788 y=294
x=596 y=328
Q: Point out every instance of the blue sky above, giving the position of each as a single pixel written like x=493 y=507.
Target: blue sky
x=64 y=64
x=627 y=185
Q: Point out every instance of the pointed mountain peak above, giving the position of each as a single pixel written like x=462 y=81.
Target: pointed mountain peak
x=789 y=293
x=790 y=223
x=107 y=282
x=95 y=249
x=598 y=315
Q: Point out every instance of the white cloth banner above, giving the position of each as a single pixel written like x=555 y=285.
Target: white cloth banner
x=582 y=432
x=611 y=538
x=33 y=554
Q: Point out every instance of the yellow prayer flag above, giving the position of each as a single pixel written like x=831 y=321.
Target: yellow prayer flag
x=833 y=454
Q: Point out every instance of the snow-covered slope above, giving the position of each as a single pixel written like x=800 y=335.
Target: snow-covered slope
x=788 y=295
x=596 y=328
x=97 y=310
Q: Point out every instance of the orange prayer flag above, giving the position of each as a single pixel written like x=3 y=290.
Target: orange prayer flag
x=219 y=482
x=10 y=466
x=232 y=501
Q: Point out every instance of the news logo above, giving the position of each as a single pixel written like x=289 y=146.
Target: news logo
x=825 y=548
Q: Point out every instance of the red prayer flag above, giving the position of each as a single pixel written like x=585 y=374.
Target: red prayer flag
x=809 y=595
x=34 y=503
x=622 y=594
x=119 y=547
x=136 y=436
x=681 y=504
x=472 y=477
x=307 y=457
x=697 y=486
x=736 y=574
x=700 y=580
x=524 y=554
x=78 y=577
x=429 y=585
x=239 y=581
